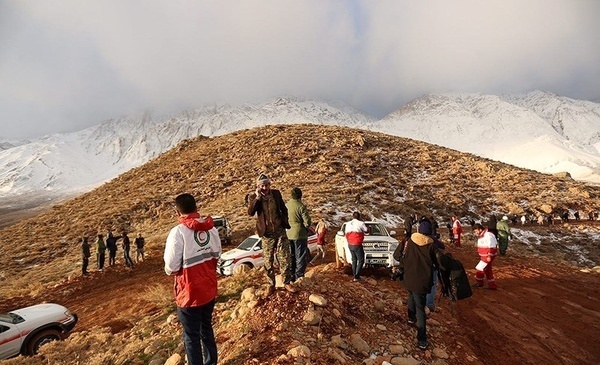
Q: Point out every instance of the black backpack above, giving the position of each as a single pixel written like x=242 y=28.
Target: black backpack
x=455 y=282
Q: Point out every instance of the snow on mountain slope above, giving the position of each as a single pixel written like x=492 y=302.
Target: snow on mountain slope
x=78 y=161
x=529 y=131
x=539 y=131
x=576 y=120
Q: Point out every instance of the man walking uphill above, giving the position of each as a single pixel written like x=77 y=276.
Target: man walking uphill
x=418 y=265
x=271 y=223
x=298 y=233
x=191 y=253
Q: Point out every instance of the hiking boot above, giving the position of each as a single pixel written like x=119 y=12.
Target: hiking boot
x=411 y=321
x=290 y=288
x=423 y=345
x=358 y=280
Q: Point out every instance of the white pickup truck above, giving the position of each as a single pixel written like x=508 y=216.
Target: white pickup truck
x=23 y=331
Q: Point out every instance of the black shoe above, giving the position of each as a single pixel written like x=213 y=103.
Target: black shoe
x=412 y=321
x=423 y=345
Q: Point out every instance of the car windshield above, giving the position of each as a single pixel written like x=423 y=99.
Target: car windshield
x=248 y=243
x=10 y=318
x=376 y=229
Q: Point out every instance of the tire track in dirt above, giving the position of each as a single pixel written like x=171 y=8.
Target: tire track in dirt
x=543 y=313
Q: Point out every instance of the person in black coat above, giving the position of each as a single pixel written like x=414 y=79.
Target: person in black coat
x=85 y=255
x=420 y=254
x=111 y=246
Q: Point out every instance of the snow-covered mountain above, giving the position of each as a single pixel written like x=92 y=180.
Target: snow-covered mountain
x=78 y=161
x=538 y=130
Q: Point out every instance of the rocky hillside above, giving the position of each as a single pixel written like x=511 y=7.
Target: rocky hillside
x=339 y=169
x=127 y=316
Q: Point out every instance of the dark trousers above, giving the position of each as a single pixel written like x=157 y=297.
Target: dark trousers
x=128 y=260
x=416 y=312
x=100 y=256
x=299 y=250
x=198 y=335
x=84 y=265
x=112 y=254
x=358 y=259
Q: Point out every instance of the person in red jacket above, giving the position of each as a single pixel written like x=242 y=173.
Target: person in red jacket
x=456 y=230
x=191 y=253
x=487 y=248
x=355 y=235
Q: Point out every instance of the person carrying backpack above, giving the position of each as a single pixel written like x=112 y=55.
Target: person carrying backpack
x=417 y=264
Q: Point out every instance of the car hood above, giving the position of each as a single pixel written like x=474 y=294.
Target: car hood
x=40 y=309
x=234 y=254
x=387 y=239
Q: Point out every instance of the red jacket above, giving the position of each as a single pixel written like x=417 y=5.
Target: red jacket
x=355 y=232
x=191 y=253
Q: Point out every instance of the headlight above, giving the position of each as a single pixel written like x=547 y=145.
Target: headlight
x=225 y=263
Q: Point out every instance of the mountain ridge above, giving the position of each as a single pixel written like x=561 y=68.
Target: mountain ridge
x=487 y=125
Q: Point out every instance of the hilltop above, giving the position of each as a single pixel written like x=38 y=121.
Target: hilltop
x=340 y=169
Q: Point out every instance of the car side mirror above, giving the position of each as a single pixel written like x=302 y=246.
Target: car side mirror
x=340 y=233
x=392 y=233
x=256 y=248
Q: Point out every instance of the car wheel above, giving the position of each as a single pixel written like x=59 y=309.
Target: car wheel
x=42 y=338
x=242 y=268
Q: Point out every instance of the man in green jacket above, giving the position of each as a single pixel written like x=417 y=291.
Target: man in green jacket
x=503 y=235
x=298 y=233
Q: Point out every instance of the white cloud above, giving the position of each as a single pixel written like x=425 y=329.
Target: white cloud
x=68 y=64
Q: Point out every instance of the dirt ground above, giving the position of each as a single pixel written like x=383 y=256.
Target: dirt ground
x=543 y=312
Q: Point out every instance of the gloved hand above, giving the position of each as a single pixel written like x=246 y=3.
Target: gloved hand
x=488 y=259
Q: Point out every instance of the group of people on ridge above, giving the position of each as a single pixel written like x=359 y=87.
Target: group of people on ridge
x=111 y=245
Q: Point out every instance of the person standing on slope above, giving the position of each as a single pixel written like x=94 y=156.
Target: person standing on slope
x=355 y=234
x=271 y=222
x=456 y=230
x=300 y=222
x=191 y=253
x=504 y=235
x=100 y=252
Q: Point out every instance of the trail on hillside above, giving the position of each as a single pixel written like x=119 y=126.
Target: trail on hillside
x=543 y=313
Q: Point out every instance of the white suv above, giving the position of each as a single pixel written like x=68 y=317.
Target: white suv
x=379 y=246
x=249 y=254
x=24 y=330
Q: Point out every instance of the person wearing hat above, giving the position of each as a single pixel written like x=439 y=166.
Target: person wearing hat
x=298 y=233
x=271 y=223
x=427 y=227
x=504 y=235
x=420 y=256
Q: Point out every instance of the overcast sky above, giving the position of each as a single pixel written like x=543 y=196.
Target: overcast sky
x=67 y=65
